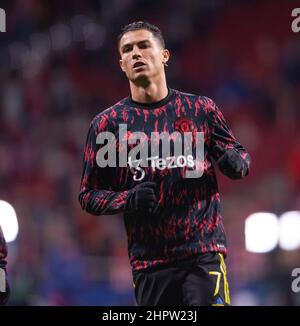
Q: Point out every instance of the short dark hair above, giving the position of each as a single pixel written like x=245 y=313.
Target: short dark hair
x=143 y=25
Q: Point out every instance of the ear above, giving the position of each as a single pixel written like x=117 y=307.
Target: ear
x=166 y=55
x=121 y=64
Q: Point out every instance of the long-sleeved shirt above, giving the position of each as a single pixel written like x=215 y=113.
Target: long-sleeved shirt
x=187 y=219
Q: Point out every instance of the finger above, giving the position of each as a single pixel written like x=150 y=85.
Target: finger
x=239 y=166
x=157 y=209
x=148 y=204
x=148 y=184
x=147 y=191
x=151 y=197
x=151 y=203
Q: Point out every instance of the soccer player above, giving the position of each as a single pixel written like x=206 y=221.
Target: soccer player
x=4 y=288
x=176 y=238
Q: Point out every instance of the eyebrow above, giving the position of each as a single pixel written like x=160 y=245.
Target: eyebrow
x=129 y=44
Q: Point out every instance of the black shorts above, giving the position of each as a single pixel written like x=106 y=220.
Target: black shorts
x=199 y=281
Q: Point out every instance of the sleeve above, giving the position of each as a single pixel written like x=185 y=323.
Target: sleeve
x=4 y=287
x=94 y=197
x=222 y=136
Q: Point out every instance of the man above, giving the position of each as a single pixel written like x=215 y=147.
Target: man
x=4 y=289
x=176 y=239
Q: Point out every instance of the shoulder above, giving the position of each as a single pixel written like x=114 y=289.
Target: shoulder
x=205 y=102
x=186 y=96
x=104 y=119
x=209 y=104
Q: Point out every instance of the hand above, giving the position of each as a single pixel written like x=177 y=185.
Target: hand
x=230 y=162
x=142 y=197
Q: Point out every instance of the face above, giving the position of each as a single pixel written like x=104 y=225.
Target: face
x=142 y=55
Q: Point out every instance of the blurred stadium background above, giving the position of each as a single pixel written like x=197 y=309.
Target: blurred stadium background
x=59 y=68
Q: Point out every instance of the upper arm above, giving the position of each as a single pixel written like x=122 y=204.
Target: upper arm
x=93 y=177
x=219 y=131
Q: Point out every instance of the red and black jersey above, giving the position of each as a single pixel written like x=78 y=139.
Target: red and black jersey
x=187 y=220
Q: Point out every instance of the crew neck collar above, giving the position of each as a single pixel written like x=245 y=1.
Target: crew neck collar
x=129 y=101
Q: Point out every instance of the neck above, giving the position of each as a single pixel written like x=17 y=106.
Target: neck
x=150 y=93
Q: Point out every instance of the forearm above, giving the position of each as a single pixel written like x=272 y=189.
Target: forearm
x=93 y=197
x=103 y=202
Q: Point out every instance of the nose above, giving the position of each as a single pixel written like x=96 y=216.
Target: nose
x=136 y=52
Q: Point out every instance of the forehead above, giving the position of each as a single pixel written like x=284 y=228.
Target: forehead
x=139 y=35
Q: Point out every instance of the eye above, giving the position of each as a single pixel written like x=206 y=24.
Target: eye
x=126 y=49
x=144 y=46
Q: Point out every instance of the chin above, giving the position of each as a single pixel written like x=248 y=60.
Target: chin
x=141 y=77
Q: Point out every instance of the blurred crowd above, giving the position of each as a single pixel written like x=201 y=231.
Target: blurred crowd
x=59 y=68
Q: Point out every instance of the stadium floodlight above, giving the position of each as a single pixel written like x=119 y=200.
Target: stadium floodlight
x=289 y=230
x=8 y=221
x=261 y=232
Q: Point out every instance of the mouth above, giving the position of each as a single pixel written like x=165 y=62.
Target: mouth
x=138 y=64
